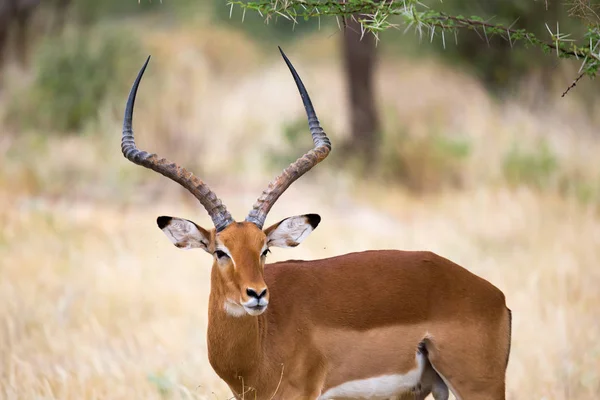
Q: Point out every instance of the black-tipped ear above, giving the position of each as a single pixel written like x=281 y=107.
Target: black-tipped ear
x=183 y=233
x=163 y=221
x=291 y=231
x=313 y=219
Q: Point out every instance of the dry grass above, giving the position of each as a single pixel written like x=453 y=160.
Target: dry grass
x=96 y=303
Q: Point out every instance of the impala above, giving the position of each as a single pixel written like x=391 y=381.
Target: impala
x=373 y=324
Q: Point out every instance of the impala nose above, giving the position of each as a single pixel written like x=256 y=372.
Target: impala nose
x=253 y=293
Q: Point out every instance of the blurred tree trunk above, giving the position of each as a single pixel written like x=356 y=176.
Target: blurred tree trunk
x=16 y=17
x=359 y=64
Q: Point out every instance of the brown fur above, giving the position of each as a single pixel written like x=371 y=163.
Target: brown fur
x=350 y=317
x=331 y=321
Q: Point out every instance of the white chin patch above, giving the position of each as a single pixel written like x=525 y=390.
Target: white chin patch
x=234 y=310
x=255 y=311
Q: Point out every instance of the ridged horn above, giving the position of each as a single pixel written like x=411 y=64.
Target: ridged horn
x=269 y=196
x=217 y=211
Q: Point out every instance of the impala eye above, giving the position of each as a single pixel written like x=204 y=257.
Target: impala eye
x=267 y=251
x=221 y=254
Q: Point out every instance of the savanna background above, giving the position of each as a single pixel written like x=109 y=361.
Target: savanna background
x=477 y=158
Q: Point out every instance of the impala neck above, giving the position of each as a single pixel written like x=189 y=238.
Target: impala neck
x=235 y=344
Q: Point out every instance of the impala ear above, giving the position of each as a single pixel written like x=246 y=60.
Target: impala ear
x=291 y=231
x=183 y=233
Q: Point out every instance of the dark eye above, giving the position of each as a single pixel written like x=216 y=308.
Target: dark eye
x=267 y=251
x=220 y=254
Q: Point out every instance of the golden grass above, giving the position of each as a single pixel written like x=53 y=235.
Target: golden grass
x=96 y=303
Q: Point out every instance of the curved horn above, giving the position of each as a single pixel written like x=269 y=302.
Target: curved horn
x=269 y=196
x=217 y=211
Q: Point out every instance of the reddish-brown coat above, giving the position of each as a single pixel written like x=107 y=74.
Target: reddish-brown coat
x=352 y=317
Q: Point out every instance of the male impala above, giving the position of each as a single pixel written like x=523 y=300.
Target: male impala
x=375 y=324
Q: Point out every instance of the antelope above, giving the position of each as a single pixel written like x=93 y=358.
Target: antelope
x=372 y=324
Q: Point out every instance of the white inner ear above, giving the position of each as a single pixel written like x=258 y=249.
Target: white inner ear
x=290 y=232
x=185 y=235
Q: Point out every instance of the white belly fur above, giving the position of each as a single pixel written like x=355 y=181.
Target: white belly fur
x=383 y=386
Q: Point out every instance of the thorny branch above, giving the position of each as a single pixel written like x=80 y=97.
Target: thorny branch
x=377 y=16
x=572 y=85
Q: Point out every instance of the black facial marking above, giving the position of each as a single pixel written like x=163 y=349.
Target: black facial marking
x=163 y=221
x=313 y=219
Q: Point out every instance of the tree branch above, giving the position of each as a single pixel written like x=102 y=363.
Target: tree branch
x=376 y=17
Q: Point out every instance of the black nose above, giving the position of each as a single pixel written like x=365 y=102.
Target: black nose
x=257 y=296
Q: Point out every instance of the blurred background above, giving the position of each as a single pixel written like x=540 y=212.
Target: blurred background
x=468 y=151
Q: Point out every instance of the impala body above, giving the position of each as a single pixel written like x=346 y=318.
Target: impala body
x=374 y=324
